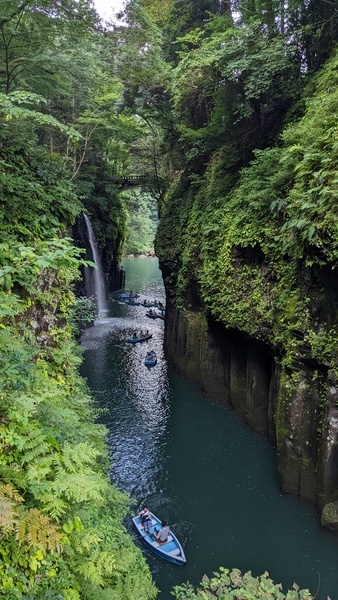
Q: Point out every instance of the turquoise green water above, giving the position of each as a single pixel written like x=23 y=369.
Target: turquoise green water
x=195 y=463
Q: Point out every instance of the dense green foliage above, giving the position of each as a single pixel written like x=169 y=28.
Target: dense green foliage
x=251 y=161
x=61 y=522
x=282 y=212
x=141 y=223
x=232 y=584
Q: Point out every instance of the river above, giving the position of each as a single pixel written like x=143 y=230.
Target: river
x=195 y=463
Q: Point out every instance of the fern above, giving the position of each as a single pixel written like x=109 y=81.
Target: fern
x=75 y=479
x=99 y=566
x=8 y=515
x=9 y=503
x=86 y=540
x=40 y=468
x=70 y=594
x=9 y=491
x=53 y=505
x=80 y=487
x=32 y=443
x=36 y=529
x=74 y=457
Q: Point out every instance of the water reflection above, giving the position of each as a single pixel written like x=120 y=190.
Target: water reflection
x=137 y=399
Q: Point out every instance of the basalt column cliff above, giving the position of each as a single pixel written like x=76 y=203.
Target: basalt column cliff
x=251 y=277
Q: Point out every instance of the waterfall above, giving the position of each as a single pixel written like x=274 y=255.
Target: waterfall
x=94 y=278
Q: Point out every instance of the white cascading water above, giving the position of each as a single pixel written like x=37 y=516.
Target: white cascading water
x=96 y=277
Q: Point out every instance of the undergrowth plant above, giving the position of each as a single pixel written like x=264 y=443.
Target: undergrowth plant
x=61 y=521
x=227 y=584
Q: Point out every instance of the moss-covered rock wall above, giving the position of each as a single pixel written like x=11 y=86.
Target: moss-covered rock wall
x=251 y=277
x=296 y=407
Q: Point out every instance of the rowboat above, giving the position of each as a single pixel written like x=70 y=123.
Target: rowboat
x=151 y=359
x=128 y=296
x=143 y=338
x=170 y=550
x=152 y=314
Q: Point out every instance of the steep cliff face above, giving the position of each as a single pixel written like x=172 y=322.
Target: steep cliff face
x=229 y=368
x=252 y=291
x=296 y=406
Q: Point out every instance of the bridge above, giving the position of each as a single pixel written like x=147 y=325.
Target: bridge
x=129 y=180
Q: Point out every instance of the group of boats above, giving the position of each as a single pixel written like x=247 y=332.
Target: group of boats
x=156 y=308
x=131 y=299
x=170 y=550
x=150 y=358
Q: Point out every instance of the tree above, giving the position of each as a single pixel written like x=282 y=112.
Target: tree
x=141 y=222
x=30 y=33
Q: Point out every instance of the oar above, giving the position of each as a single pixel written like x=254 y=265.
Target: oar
x=138 y=537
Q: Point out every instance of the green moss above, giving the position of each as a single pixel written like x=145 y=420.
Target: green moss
x=251 y=243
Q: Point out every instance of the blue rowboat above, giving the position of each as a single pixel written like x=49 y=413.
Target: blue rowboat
x=128 y=296
x=152 y=314
x=134 y=340
x=151 y=359
x=170 y=550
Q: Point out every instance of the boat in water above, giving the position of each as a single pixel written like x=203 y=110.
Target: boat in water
x=132 y=302
x=142 y=338
x=152 y=314
x=129 y=296
x=150 y=359
x=171 y=550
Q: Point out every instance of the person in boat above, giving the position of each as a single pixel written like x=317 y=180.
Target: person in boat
x=147 y=333
x=130 y=293
x=144 y=514
x=150 y=354
x=150 y=311
x=162 y=535
x=135 y=335
x=147 y=523
x=141 y=333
